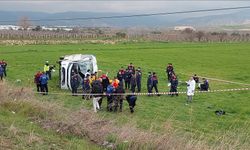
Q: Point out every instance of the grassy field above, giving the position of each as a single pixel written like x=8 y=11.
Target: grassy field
x=226 y=61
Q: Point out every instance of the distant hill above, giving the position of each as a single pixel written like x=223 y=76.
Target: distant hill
x=238 y=18
x=241 y=17
x=124 y=22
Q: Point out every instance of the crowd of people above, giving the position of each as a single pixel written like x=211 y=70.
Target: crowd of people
x=129 y=79
x=113 y=89
x=3 y=69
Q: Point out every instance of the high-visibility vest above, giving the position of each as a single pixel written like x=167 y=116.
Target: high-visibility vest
x=46 y=68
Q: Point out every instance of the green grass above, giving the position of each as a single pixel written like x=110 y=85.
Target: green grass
x=19 y=132
x=227 y=61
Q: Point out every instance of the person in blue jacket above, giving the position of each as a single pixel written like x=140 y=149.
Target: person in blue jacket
x=131 y=99
x=138 y=79
x=1 y=72
x=154 y=83
x=149 y=83
x=174 y=84
x=44 y=83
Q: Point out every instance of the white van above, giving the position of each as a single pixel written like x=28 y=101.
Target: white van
x=75 y=63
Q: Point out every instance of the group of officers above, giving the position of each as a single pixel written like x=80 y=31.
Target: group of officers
x=114 y=89
x=3 y=69
x=126 y=79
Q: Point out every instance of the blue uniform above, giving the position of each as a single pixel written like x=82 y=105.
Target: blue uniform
x=154 y=83
x=110 y=97
x=44 y=83
x=149 y=83
x=1 y=72
x=131 y=101
x=138 y=80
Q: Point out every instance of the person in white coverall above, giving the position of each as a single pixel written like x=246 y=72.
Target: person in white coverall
x=190 y=89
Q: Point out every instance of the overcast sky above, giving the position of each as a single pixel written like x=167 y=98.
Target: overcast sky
x=114 y=6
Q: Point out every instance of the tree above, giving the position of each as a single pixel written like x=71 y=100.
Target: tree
x=121 y=34
x=24 y=23
x=188 y=31
x=189 y=34
x=200 y=35
x=222 y=36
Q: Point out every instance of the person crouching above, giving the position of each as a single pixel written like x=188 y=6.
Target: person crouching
x=131 y=99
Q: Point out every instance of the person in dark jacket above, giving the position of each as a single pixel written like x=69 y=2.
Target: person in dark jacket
x=169 y=71
x=138 y=79
x=44 y=83
x=86 y=88
x=149 y=83
x=75 y=82
x=174 y=84
x=197 y=81
x=118 y=99
x=105 y=82
x=131 y=68
x=37 y=81
x=51 y=68
x=4 y=66
x=133 y=83
x=155 y=82
x=97 y=91
x=1 y=73
x=127 y=78
x=205 y=85
x=131 y=99
x=120 y=76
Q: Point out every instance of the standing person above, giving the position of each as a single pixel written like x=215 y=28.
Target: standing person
x=1 y=73
x=123 y=72
x=86 y=88
x=4 y=66
x=118 y=98
x=131 y=68
x=154 y=83
x=190 y=89
x=149 y=83
x=75 y=81
x=51 y=68
x=127 y=78
x=131 y=99
x=105 y=82
x=196 y=79
x=110 y=90
x=133 y=83
x=138 y=79
x=44 y=83
x=169 y=71
x=174 y=84
x=120 y=76
x=97 y=91
x=37 y=81
x=46 y=69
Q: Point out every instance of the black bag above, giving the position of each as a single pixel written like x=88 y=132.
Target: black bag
x=220 y=112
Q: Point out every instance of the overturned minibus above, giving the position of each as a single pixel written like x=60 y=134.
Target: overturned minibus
x=75 y=63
